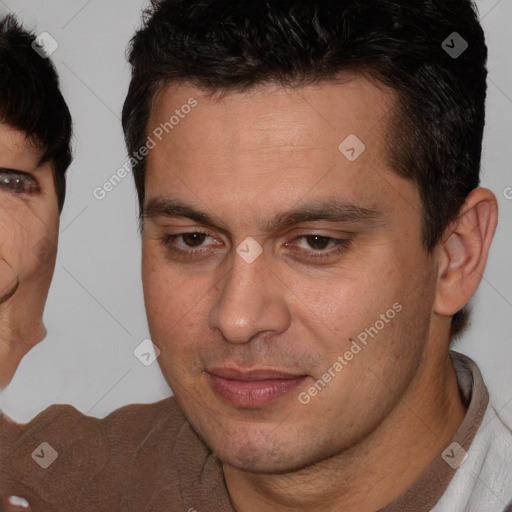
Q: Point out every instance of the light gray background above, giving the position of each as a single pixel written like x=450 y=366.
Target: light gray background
x=95 y=312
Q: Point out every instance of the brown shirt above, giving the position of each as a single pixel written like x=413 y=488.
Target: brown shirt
x=148 y=458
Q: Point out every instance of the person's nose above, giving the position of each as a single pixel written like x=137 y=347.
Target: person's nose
x=251 y=300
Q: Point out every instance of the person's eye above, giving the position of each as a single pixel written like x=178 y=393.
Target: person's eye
x=319 y=246
x=199 y=243
x=187 y=243
x=18 y=182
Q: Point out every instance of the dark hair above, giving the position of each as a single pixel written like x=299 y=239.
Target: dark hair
x=31 y=101
x=435 y=135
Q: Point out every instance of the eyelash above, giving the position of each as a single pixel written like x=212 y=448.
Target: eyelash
x=27 y=182
x=340 y=246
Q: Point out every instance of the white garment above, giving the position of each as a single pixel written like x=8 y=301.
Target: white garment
x=483 y=482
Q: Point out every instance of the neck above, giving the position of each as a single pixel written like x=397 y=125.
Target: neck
x=378 y=469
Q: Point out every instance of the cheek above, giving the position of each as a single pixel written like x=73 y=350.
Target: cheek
x=29 y=241
x=42 y=241
x=176 y=322
x=350 y=295
x=383 y=301
x=174 y=301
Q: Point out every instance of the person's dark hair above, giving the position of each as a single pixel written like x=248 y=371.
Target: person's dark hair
x=31 y=101
x=435 y=136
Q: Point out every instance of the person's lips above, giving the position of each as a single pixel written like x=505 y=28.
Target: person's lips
x=252 y=388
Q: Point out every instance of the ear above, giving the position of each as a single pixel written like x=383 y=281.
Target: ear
x=463 y=252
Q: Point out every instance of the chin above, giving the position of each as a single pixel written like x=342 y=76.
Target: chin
x=256 y=451
x=35 y=334
x=254 y=459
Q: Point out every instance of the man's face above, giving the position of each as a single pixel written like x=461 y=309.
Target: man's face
x=29 y=220
x=342 y=278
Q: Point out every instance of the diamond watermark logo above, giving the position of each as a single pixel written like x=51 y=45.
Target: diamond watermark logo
x=352 y=148
x=45 y=45
x=45 y=455
x=147 y=352
x=454 y=455
x=249 y=250
x=455 y=45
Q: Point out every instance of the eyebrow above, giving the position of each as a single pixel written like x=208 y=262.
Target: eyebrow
x=331 y=210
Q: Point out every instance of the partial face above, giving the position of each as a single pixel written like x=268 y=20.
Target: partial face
x=282 y=348
x=29 y=221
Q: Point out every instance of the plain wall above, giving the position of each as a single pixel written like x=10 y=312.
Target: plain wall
x=95 y=313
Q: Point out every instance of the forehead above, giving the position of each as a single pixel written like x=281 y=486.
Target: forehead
x=273 y=146
x=16 y=150
x=255 y=117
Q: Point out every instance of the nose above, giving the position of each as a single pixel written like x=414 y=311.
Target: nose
x=251 y=300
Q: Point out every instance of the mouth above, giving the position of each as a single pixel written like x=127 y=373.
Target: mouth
x=252 y=388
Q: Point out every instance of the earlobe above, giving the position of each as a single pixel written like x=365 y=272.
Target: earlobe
x=464 y=250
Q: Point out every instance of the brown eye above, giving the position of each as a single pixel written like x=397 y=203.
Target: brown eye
x=191 y=244
x=319 y=247
x=194 y=239
x=318 y=242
